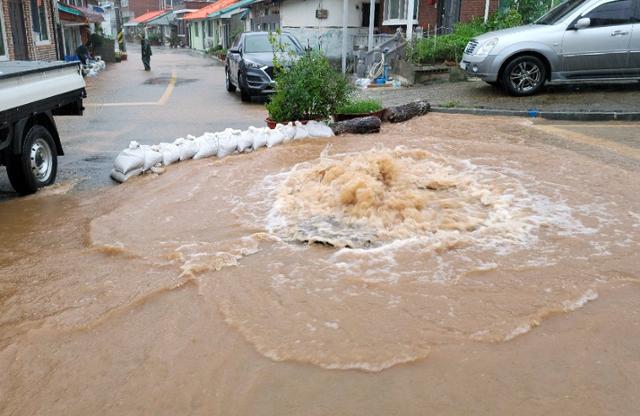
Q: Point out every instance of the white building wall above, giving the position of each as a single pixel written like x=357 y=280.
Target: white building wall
x=302 y=13
x=298 y=17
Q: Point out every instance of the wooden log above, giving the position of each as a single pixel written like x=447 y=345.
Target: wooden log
x=405 y=112
x=360 y=125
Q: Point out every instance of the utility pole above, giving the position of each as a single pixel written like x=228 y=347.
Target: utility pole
x=120 y=33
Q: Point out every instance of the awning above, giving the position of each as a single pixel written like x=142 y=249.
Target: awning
x=224 y=13
x=80 y=14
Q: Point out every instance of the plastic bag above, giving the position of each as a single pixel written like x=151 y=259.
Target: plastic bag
x=318 y=129
x=170 y=153
x=129 y=159
x=227 y=143
x=301 y=131
x=207 y=146
x=259 y=137
x=245 y=140
x=123 y=177
x=152 y=156
x=274 y=137
x=288 y=131
x=188 y=147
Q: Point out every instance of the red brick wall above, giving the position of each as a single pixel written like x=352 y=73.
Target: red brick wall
x=428 y=13
x=45 y=52
x=140 y=7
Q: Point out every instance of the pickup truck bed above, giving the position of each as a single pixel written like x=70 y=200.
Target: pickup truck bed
x=31 y=93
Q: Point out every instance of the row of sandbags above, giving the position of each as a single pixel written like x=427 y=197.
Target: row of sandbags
x=137 y=158
x=92 y=67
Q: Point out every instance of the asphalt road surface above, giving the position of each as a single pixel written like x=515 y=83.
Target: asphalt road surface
x=184 y=93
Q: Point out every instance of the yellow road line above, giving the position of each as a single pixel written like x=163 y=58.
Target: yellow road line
x=162 y=101
x=609 y=145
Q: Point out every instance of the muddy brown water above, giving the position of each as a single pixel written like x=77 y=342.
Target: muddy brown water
x=450 y=265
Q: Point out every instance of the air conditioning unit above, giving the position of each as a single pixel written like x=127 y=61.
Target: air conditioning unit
x=322 y=13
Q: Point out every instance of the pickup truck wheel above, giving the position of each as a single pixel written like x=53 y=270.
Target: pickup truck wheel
x=227 y=81
x=37 y=166
x=524 y=75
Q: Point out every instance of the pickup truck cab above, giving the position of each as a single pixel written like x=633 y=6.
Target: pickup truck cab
x=31 y=94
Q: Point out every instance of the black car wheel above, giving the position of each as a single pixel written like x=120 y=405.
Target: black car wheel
x=227 y=81
x=242 y=84
x=525 y=75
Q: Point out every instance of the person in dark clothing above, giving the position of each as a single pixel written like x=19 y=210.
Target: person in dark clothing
x=146 y=53
x=83 y=54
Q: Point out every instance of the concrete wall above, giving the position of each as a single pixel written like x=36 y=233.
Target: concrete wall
x=302 y=13
x=202 y=41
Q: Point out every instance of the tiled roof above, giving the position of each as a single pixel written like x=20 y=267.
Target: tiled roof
x=143 y=18
x=212 y=8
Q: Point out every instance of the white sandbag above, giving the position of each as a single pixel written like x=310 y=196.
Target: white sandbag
x=188 y=147
x=118 y=176
x=227 y=143
x=129 y=159
x=274 y=137
x=259 y=137
x=170 y=153
x=207 y=146
x=245 y=140
x=152 y=156
x=318 y=129
x=288 y=131
x=301 y=131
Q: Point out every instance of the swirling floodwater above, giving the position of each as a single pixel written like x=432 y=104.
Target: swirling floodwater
x=381 y=274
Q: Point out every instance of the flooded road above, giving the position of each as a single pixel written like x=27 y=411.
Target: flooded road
x=449 y=265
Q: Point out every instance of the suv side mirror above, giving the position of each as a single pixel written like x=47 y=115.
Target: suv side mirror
x=234 y=50
x=582 y=23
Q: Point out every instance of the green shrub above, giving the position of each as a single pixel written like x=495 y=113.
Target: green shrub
x=450 y=47
x=360 y=107
x=308 y=88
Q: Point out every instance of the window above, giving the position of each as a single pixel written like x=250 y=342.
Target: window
x=560 y=12
x=39 y=25
x=611 y=14
x=3 y=41
x=395 y=12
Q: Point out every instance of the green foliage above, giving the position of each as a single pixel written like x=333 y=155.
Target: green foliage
x=530 y=10
x=308 y=88
x=364 y=106
x=450 y=47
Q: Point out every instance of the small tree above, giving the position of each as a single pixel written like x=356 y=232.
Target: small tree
x=307 y=87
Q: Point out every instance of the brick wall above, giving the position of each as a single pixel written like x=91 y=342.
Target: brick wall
x=428 y=12
x=44 y=52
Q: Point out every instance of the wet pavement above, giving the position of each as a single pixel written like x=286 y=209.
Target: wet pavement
x=126 y=103
x=494 y=268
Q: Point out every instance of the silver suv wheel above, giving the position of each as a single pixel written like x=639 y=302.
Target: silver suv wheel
x=524 y=75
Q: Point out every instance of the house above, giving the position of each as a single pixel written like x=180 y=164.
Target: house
x=157 y=25
x=28 y=30
x=77 y=19
x=206 y=28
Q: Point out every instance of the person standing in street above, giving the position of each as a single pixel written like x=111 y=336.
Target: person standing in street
x=146 y=53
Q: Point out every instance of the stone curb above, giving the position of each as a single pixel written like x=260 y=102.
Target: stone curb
x=549 y=115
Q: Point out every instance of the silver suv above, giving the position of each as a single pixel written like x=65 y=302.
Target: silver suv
x=579 y=40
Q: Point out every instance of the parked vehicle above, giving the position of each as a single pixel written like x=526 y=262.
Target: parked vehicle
x=579 y=40
x=31 y=93
x=249 y=63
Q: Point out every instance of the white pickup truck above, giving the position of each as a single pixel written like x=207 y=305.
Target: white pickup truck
x=31 y=93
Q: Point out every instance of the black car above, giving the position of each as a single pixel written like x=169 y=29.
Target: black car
x=249 y=63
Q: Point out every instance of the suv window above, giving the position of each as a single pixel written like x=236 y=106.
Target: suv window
x=610 y=14
x=559 y=12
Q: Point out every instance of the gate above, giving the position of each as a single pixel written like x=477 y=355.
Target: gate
x=16 y=16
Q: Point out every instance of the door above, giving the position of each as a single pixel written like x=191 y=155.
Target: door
x=448 y=15
x=234 y=59
x=16 y=16
x=634 y=47
x=602 y=49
